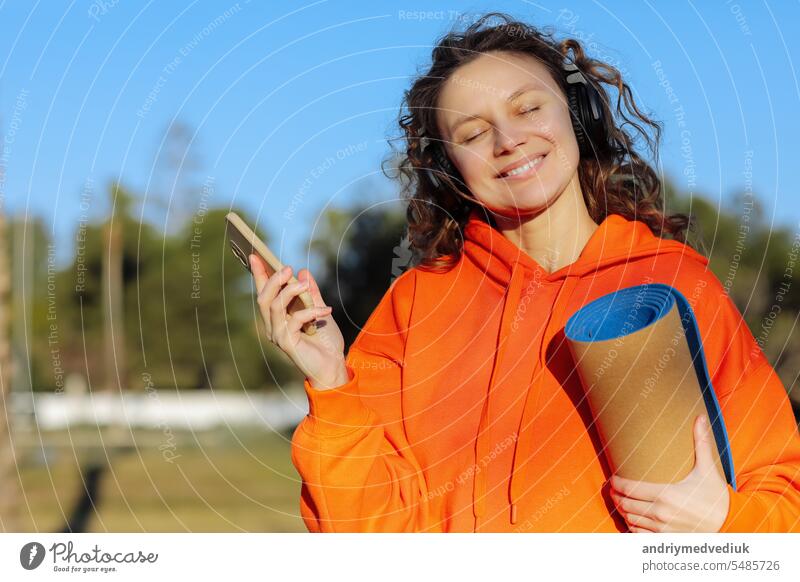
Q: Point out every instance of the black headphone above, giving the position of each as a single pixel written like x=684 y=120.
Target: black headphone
x=588 y=123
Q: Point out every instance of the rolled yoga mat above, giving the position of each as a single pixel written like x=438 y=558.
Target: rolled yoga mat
x=639 y=355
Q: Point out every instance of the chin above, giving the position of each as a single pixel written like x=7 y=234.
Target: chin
x=525 y=205
x=518 y=213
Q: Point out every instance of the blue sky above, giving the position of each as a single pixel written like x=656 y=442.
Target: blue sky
x=291 y=104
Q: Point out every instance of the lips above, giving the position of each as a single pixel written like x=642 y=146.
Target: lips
x=521 y=166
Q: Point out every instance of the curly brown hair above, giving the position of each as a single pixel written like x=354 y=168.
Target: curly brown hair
x=615 y=181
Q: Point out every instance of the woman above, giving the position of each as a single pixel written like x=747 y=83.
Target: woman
x=457 y=407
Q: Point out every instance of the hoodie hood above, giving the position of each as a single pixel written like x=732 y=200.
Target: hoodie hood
x=616 y=241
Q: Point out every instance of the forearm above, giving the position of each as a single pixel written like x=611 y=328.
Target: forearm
x=356 y=476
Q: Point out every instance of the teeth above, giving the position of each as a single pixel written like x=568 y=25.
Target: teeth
x=524 y=168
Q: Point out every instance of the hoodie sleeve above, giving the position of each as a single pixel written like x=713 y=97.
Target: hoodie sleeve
x=761 y=426
x=358 y=471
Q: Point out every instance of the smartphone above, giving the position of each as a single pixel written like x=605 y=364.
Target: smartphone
x=244 y=242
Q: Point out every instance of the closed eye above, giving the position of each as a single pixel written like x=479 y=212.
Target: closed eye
x=522 y=112
x=469 y=139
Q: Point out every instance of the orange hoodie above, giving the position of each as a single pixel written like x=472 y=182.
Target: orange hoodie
x=463 y=412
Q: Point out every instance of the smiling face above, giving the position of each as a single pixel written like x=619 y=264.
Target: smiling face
x=507 y=128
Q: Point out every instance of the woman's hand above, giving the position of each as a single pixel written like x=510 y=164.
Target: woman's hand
x=320 y=356
x=698 y=503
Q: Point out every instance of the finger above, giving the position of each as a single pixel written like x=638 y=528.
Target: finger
x=643 y=490
x=627 y=505
x=704 y=445
x=635 y=529
x=302 y=316
x=279 y=308
x=286 y=295
x=313 y=289
x=642 y=522
x=258 y=271
x=267 y=286
x=267 y=293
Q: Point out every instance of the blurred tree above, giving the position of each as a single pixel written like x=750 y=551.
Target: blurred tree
x=188 y=307
x=113 y=289
x=202 y=316
x=360 y=250
x=10 y=491
x=758 y=263
x=9 y=484
x=29 y=246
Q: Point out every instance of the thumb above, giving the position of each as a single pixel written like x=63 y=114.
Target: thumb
x=305 y=275
x=704 y=444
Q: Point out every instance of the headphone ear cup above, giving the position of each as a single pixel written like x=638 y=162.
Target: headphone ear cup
x=440 y=166
x=586 y=108
x=431 y=170
x=577 y=125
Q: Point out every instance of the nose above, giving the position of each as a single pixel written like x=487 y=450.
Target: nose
x=507 y=138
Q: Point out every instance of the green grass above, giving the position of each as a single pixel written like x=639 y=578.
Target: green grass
x=217 y=482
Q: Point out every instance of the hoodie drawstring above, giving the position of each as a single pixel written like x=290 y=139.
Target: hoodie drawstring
x=482 y=444
x=524 y=445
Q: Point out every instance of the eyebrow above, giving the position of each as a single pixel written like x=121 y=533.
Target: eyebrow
x=524 y=89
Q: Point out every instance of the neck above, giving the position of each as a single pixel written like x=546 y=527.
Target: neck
x=555 y=237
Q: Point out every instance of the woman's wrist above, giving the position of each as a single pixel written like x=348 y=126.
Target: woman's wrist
x=339 y=379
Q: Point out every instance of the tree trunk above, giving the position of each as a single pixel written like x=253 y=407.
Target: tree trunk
x=113 y=312
x=9 y=475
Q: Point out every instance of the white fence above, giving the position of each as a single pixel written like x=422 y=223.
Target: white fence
x=188 y=410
